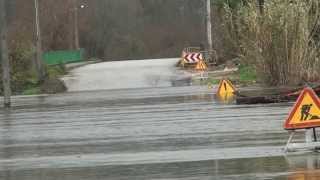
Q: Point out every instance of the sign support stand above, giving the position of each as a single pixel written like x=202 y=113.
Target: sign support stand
x=311 y=141
x=289 y=141
x=304 y=115
x=308 y=136
x=315 y=135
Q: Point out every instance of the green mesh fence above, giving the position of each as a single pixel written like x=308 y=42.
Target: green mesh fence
x=63 y=57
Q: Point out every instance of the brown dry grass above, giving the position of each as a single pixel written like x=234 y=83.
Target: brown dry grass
x=281 y=42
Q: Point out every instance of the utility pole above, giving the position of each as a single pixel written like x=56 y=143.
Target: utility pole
x=209 y=26
x=39 y=63
x=4 y=55
x=76 y=24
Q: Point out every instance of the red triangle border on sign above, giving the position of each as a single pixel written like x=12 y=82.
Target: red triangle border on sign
x=306 y=125
x=227 y=81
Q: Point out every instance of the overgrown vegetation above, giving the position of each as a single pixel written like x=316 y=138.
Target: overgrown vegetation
x=279 y=39
x=276 y=39
x=247 y=74
x=23 y=76
x=115 y=29
x=212 y=81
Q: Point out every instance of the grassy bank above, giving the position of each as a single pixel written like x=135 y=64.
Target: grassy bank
x=244 y=76
x=52 y=84
x=26 y=82
x=247 y=75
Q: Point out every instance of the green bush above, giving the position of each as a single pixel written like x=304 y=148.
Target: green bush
x=31 y=91
x=213 y=81
x=24 y=78
x=247 y=73
x=56 y=71
x=23 y=75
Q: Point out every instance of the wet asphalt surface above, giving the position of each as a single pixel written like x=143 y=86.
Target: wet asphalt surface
x=123 y=75
x=164 y=133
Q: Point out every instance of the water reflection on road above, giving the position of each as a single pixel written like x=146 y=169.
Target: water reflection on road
x=154 y=133
x=167 y=133
x=124 y=75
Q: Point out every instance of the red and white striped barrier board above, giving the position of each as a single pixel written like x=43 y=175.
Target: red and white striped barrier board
x=193 y=57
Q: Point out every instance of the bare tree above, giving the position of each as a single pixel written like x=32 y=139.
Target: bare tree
x=261 y=4
x=4 y=55
x=209 y=25
x=126 y=31
x=39 y=63
x=76 y=24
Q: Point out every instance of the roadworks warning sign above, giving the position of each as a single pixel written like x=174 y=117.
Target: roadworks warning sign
x=226 y=87
x=305 y=113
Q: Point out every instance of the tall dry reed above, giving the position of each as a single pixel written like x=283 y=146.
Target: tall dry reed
x=281 y=41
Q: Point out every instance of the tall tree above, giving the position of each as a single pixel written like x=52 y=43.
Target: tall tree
x=261 y=4
x=39 y=62
x=209 y=26
x=4 y=55
x=76 y=24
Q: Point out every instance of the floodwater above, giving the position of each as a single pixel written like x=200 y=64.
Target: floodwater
x=159 y=133
x=123 y=75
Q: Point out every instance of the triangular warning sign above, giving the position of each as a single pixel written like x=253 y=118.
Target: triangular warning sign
x=305 y=113
x=201 y=66
x=225 y=87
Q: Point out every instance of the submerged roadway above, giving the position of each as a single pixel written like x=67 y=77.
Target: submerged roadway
x=143 y=128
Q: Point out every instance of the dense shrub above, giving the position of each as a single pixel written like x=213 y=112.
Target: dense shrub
x=23 y=75
x=279 y=41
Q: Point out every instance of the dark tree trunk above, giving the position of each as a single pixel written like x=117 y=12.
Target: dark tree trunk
x=261 y=6
x=4 y=54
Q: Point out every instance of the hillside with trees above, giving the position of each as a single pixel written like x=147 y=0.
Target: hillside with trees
x=278 y=39
x=113 y=30
x=108 y=30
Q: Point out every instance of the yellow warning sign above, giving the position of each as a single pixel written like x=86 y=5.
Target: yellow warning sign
x=226 y=98
x=305 y=113
x=201 y=66
x=226 y=87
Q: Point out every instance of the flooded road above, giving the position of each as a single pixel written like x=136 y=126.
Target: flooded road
x=122 y=75
x=155 y=133
x=167 y=133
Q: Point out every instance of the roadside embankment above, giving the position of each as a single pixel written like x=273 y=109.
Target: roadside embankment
x=50 y=85
x=24 y=81
x=241 y=75
x=54 y=84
